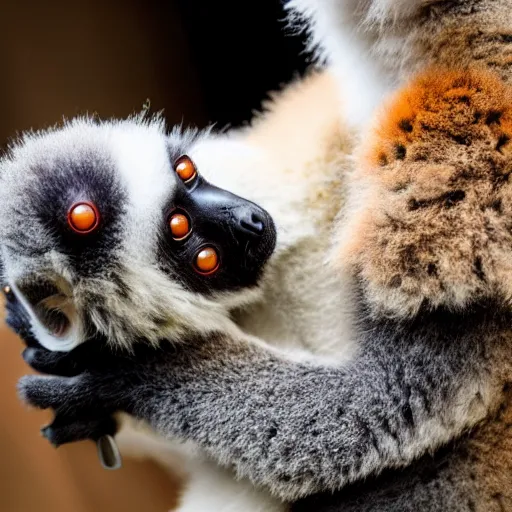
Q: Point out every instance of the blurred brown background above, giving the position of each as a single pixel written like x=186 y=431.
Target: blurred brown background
x=201 y=61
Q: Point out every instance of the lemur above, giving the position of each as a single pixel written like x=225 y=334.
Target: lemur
x=432 y=353
x=129 y=258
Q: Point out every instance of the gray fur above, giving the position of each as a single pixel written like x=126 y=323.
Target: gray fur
x=472 y=474
x=298 y=427
x=301 y=428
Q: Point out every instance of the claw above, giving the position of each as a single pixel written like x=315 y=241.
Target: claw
x=108 y=453
x=9 y=294
x=29 y=355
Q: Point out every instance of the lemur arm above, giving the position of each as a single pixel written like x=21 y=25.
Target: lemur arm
x=296 y=428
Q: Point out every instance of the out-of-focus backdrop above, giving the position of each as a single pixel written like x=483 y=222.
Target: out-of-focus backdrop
x=202 y=62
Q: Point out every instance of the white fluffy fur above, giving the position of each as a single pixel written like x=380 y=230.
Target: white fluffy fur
x=205 y=486
x=213 y=488
x=338 y=37
x=360 y=41
x=139 y=152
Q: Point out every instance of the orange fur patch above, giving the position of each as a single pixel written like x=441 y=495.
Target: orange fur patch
x=437 y=227
x=455 y=102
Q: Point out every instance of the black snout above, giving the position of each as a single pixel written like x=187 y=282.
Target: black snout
x=212 y=209
x=241 y=233
x=250 y=220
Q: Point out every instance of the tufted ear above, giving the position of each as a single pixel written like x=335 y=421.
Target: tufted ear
x=434 y=227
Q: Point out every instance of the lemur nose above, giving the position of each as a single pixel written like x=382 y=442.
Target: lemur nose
x=252 y=222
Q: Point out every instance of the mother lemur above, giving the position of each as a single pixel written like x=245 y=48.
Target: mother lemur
x=424 y=242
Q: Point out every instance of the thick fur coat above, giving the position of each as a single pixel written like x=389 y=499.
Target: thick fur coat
x=417 y=417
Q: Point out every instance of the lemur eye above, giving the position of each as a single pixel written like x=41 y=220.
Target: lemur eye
x=185 y=169
x=207 y=261
x=83 y=217
x=180 y=226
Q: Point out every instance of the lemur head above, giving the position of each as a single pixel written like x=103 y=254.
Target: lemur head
x=434 y=227
x=112 y=228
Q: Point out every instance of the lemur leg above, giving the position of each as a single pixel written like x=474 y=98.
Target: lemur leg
x=209 y=487
x=205 y=486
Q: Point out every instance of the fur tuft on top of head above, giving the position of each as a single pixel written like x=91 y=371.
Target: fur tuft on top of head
x=435 y=226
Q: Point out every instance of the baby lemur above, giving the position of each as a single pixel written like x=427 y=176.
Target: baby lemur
x=154 y=271
x=426 y=251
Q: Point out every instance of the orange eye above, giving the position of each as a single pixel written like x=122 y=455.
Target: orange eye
x=185 y=168
x=180 y=226
x=207 y=261
x=83 y=217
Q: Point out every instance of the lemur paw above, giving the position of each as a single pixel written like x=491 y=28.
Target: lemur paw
x=83 y=405
x=87 y=386
x=64 y=364
x=65 y=430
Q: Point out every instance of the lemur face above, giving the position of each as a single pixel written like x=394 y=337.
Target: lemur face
x=111 y=228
